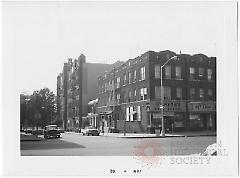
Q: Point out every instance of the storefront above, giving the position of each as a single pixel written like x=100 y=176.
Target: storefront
x=173 y=113
x=202 y=115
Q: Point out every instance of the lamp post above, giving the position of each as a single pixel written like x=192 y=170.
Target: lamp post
x=162 y=95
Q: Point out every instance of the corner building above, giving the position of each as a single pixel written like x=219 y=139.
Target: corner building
x=130 y=95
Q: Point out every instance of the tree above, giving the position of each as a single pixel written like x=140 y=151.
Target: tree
x=42 y=102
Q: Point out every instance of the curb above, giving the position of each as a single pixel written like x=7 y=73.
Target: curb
x=160 y=136
x=26 y=140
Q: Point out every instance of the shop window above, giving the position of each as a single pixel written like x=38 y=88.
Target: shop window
x=143 y=93
x=191 y=73
x=157 y=92
x=157 y=71
x=196 y=122
x=167 y=93
x=209 y=74
x=178 y=72
x=192 y=93
x=178 y=93
x=143 y=73
x=201 y=93
x=167 y=72
x=139 y=117
x=178 y=121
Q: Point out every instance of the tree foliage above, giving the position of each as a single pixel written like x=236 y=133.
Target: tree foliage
x=41 y=102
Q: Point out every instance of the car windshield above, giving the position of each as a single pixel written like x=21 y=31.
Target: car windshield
x=51 y=127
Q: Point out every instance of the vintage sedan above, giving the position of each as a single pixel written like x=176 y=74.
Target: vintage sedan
x=91 y=131
x=51 y=131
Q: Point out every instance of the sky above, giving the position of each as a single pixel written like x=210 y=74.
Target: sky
x=38 y=37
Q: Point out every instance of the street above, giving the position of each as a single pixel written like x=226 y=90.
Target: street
x=74 y=144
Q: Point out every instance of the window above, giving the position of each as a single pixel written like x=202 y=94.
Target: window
x=168 y=72
x=134 y=76
x=192 y=73
x=129 y=96
x=157 y=71
x=113 y=85
x=105 y=88
x=210 y=94
x=143 y=93
x=178 y=72
x=200 y=72
x=118 y=82
x=139 y=113
x=157 y=92
x=142 y=73
x=102 y=88
x=135 y=118
x=118 y=98
x=167 y=93
x=179 y=93
x=129 y=77
x=201 y=93
x=192 y=93
x=133 y=113
x=209 y=74
x=127 y=113
x=124 y=79
x=135 y=94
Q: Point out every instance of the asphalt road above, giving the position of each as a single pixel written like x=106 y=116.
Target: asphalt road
x=74 y=144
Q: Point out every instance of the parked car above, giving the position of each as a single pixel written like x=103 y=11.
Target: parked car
x=90 y=131
x=61 y=130
x=39 y=132
x=78 y=131
x=28 y=131
x=51 y=131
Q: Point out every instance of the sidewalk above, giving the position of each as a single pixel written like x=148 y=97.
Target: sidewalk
x=28 y=137
x=146 y=135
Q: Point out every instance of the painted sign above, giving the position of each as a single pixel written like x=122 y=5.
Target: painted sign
x=169 y=106
x=202 y=106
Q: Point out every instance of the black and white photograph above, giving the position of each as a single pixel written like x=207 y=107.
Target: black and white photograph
x=129 y=88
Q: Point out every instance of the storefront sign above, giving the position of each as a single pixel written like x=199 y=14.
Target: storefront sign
x=169 y=106
x=202 y=106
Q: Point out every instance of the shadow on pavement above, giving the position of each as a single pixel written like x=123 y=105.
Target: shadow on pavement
x=48 y=144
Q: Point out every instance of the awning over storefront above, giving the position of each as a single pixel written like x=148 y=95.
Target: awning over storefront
x=106 y=112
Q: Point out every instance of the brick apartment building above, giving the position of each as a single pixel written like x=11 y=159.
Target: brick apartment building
x=129 y=95
x=76 y=86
